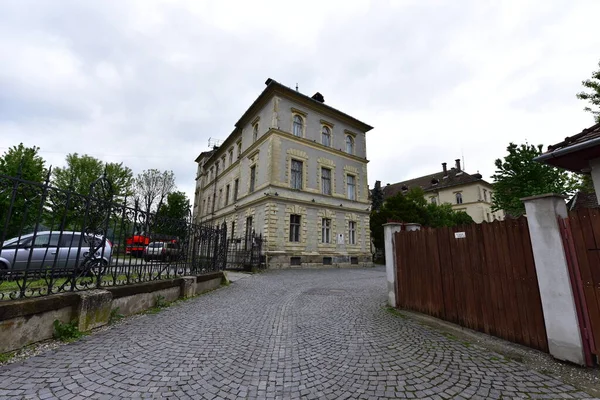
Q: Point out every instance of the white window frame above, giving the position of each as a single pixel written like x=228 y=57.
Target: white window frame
x=296 y=176
x=349 y=144
x=295 y=228
x=325 y=230
x=326 y=133
x=297 y=125
x=323 y=191
x=351 y=188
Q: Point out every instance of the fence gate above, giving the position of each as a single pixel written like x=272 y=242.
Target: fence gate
x=583 y=227
x=481 y=276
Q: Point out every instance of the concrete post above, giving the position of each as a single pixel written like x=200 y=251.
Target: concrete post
x=188 y=287
x=94 y=309
x=390 y=259
x=558 y=302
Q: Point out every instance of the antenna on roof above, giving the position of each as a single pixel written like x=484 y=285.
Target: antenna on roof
x=214 y=143
x=296 y=86
x=464 y=166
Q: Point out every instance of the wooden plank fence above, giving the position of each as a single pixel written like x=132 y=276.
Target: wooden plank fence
x=485 y=281
x=585 y=228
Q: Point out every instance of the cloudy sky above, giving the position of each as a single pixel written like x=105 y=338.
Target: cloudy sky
x=148 y=82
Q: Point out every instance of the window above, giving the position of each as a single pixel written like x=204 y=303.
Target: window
x=294 y=228
x=220 y=197
x=485 y=195
x=326 y=136
x=295 y=261
x=248 y=226
x=326 y=180
x=214 y=202
x=236 y=187
x=459 y=198
x=354 y=260
x=296 y=178
x=349 y=144
x=326 y=230
x=212 y=171
x=298 y=126
x=223 y=162
x=216 y=169
x=433 y=200
x=252 y=178
x=227 y=195
x=351 y=182
x=203 y=211
x=239 y=150
x=255 y=132
x=46 y=240
x=232 y=229
x=231 y=156
x=352 y=232
x=208 y=208
x=327 y=261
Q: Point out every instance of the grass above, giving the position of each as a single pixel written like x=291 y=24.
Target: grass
x=67 y=332
x=395 y=312
x=4 y=357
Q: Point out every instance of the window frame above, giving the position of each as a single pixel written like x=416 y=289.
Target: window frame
x=298 y=125
x=350 y=144
x=458 y=197
x=296 y=176
x=353 y=192
x=326 y=132
x=352 y=232
x=326 y=230
x=236 y=189
x=255 y=132
x=330 y=191
x=295 y=225
x=252 y=179
x=227 y=192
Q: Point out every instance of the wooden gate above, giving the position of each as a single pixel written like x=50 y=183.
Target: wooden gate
x=481 y=276
x=585 y=231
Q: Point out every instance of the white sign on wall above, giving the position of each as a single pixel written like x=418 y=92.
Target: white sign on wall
x=341 y=238
x=460 y=235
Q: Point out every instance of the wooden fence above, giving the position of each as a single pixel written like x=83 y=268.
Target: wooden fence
x=484 y=281
x=585 y=229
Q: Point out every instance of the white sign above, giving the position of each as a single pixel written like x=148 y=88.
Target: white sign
x=460 y=235
x=341 y=238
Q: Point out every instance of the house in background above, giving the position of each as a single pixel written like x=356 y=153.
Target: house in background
x=294 y=169
x=466 y=192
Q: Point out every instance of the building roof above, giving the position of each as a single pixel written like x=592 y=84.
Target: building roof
x=583 y=200
x=575 y=151
x=435 y=181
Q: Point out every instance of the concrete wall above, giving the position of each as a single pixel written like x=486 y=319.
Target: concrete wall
x=23 y=322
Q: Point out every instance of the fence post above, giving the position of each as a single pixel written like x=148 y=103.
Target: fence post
x=558 y=302
x=390 y=259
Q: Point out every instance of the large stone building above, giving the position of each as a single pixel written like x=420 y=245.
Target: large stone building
x=295 y=170
x=466 y=192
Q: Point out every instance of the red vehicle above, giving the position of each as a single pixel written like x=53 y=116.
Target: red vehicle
x=136 y=245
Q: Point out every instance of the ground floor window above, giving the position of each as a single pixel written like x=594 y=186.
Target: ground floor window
x=326 y=230
x=294 y=228
x=352 y=232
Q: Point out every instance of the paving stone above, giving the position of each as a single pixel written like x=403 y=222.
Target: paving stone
x=291 y=334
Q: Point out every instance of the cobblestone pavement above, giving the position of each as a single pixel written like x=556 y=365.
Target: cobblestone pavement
x=310 y=334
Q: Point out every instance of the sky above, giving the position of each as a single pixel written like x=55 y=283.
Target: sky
x=148 y=82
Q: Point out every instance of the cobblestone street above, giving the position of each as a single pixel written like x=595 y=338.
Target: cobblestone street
x=310 y=334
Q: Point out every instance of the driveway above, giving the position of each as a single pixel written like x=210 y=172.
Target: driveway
x=310 y=334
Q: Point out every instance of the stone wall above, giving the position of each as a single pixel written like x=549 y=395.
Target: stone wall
x=27 y=321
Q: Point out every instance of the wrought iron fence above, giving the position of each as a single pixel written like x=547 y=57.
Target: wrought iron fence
x=55 y=240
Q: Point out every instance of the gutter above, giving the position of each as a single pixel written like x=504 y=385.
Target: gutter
x=567 y=150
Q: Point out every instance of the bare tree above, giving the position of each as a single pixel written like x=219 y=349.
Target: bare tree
x=152 y=187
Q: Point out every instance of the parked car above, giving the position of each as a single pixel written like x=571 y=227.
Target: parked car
x=53 y=249
x=164 y=251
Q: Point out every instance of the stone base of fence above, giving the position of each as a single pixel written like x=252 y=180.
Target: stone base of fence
x=23 y=322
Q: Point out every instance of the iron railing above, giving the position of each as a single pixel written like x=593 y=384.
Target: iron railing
x=55 y=240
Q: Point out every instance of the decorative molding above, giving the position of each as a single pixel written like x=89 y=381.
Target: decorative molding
x=297 y=154
x=347 y=132
x=327 y=123
x=300 y=112
x=255 y=120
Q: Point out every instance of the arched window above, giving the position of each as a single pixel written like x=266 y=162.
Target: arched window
x=298 y=125
x=326 y=136
x=459 y=199
x=255 y=133
x=349 y=144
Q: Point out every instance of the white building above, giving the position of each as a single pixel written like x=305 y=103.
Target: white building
x=295 y=170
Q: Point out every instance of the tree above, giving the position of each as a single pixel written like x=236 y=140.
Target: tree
x=412 y=207
x=376 y=197
x=24 y=163
x=592 y=97
x=77 y=176
x=152 y=187
x=518 y=176
x=171 y=217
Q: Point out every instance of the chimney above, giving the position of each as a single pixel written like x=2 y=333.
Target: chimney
x=318 y=97
x=458 y=164
x=377 y=184
x=445 y=168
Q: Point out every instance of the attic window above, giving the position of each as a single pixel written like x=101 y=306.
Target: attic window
x=434 y=181
x=404 y=188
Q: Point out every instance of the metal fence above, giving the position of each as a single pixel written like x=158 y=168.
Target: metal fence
x=55 y=240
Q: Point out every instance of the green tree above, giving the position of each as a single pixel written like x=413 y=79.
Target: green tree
x=593 y=96
x=24 y=163
x=412 y=207
x=152 y=187
x=171 y=217
x=518 y=176
x=77 y=176
x=376 y=197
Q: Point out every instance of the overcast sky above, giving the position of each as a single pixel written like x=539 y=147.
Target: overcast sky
x=148 y=82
